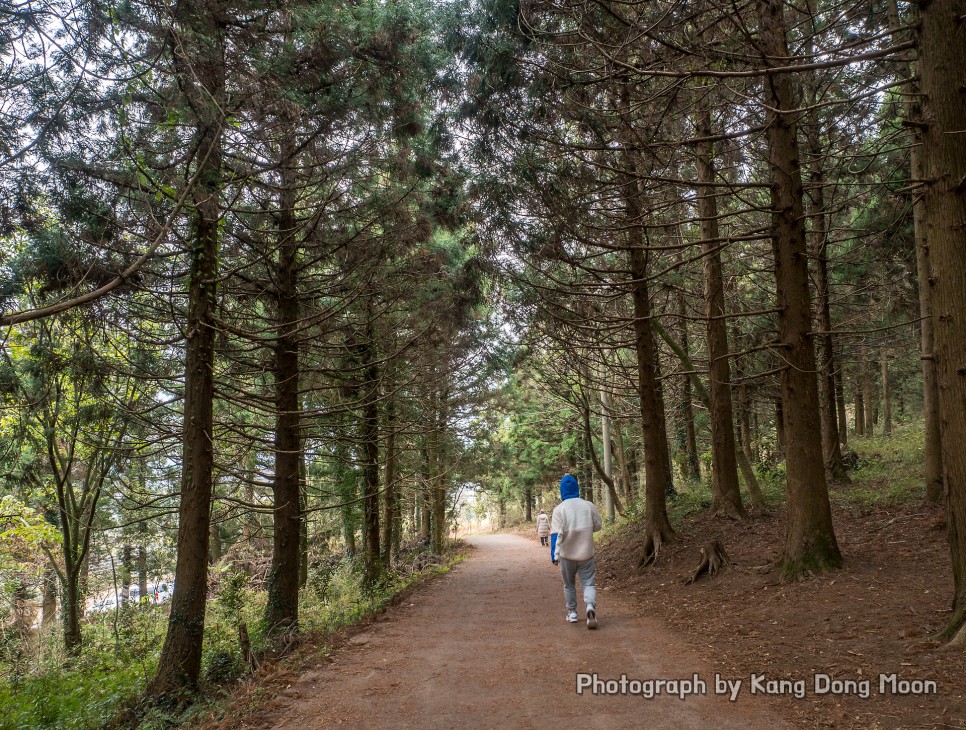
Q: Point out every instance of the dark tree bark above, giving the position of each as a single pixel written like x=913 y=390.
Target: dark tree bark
x=282 y=607
x=868 y=399
x=633 y=471
x=585 y=479
x=390 y=500
x=657 y=467
x=303 y=522
x=201 y=75
x=369 y=439
x=831 y=448
x=859 y=404
x=810 y=544
x=71 y=597
x=912 y=111
x=726 y=501
x=692 y=469
x=943 y=70
x=422 y=496
x=780 y=428
x=127 y=571
x=142 y=571
x=886 y=400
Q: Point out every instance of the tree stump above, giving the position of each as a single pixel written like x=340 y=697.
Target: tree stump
x=244 y=643
x=713 y=559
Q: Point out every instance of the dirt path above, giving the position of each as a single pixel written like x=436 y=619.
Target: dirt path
x=487 y=647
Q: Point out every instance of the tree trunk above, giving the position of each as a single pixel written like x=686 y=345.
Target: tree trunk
x=609 y=511
x=810 y=543
x=943 y=71
x=657 y=528
x=840 y=403
x=214 y=544
x=438 y=475
x=390 y=501
x=586 y=474
x=755 y=433
x=886 y=400
x=867 y=397
x=201 y=64
x=859 y=404
x=726 y=500
x=282 y=607
x=835 y=471
x=912 y=111
x=424 y=492
x=347 y=488
x=127 y=571
x=397 y=525
x=633 y=471
x=692 y=467
x=744 y=422
x=21 y=618
x=624 y=464
x=303 y=521
x=49 y=605
x=369 y=438
x=780 y=428
x=142 y=571
x=70 y=612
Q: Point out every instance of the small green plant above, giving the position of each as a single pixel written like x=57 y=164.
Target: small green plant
x=232 y=597
x=320 y=575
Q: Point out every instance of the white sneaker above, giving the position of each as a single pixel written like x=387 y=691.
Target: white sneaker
x=572 y=617
x=591 y=618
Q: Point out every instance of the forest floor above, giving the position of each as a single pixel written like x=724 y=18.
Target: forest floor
x=873 y=617
x=486 y=646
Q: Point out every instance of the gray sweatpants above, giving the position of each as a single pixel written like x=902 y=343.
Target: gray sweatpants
x=587 y=571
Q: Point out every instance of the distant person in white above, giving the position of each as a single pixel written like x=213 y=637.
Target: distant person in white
x=572 y=529
x=543 y=528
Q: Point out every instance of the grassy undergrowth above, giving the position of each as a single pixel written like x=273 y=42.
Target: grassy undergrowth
x=889 y=471
x=120 y=653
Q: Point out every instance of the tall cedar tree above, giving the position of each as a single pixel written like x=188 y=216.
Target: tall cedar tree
x=810 y=543
x=197 y=43
x=943 y=67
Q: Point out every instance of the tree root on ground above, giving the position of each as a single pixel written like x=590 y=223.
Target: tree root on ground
x=727 y=511
x=653 y=541
x=713 y=559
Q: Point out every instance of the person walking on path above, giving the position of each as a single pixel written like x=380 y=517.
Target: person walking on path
x=572 y=529
x=543 y=528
